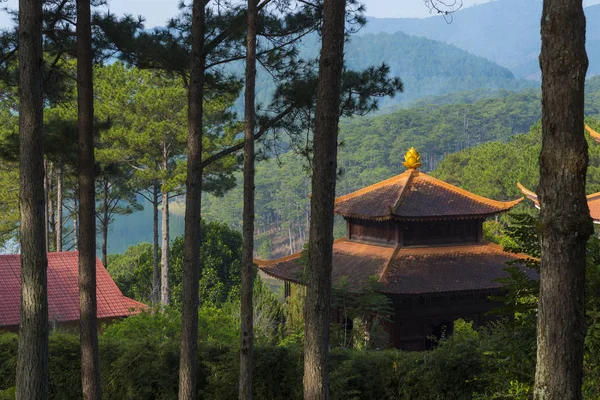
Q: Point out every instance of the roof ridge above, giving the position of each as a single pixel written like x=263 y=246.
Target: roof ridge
x=466 y=193
x=386 y=182
x=390 y=261
x=411 y=174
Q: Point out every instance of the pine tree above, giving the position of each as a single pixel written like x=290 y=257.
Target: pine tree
x=318 y=288
x=32 y=361
x=564 y=216
x=247 y=334
x=188 y=364
x=88 y=323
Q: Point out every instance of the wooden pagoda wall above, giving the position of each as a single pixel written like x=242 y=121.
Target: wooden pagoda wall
x=415 y=233
x=416 y=318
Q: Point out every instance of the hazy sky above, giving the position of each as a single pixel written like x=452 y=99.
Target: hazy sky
x=157 y=12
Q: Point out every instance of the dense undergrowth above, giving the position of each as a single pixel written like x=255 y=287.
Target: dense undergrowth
x=140 y=358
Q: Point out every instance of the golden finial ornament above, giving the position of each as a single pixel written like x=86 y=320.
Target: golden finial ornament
x=412 y=159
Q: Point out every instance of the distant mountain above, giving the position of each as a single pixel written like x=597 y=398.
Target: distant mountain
x=504 y=31
x=426 y=67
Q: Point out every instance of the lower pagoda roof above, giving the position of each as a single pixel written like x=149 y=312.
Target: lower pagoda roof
x=408 y=270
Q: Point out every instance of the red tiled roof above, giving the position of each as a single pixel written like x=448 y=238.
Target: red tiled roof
x=593 y=201
x=409 y=270
x=416 y=195
x=63 y=292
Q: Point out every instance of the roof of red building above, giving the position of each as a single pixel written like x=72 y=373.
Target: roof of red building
x=63 y=291
x=408 y=270
x=415 y=195
x=593 y=201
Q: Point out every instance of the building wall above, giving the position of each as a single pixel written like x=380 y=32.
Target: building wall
x=417 y=318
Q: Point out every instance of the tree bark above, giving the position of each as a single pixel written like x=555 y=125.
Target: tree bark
x=565 y=220
x=105 y=223
x=247 y=335
x=318 y=289
x=155 y=263
x=32 y=361
x=191 y=247
x=90 y=365
x=59 y=208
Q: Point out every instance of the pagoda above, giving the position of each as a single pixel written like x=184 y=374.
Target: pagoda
x=422 y=238
x=593 y=200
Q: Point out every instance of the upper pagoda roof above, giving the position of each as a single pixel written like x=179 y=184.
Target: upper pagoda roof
x=414 y=195
x=593 y=201
x=408 y=270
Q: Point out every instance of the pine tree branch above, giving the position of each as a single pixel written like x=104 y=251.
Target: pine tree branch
x=240 y=145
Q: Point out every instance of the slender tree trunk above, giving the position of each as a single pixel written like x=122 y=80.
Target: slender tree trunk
x=59 y=208
x=32 y=359
x=164 y=283
x=191 y=246
x=318 y=289
x=90 y=365
x=164 y=278
x=75 y=223
x=565 y=220
x=105 y=222
x=155 y=263
x=247 y=335
x=51 y=210
x=46 y=227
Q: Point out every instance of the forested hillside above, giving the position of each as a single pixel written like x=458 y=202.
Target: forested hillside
x=504 y=31
x=371 y=149
x=492 y=169
x=426 y=67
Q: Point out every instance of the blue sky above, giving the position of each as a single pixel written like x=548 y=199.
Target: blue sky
x=156 y=12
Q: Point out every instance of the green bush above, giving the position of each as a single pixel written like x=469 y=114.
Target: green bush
x=140 y=358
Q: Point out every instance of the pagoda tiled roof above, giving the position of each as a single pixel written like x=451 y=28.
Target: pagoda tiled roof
x=595 y=135
x=593 y=201
x=63 y=290
x=414 y=195
x=408 y=270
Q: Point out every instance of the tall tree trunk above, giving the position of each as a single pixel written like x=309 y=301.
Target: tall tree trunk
x=565 y=220
x=155 y=263
x=90 y=365
x=32 y=360
x=59 y=208
x=46 y=225
x=318 y=289
x=191 y=246
x=247 y=335
x=105 y=222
